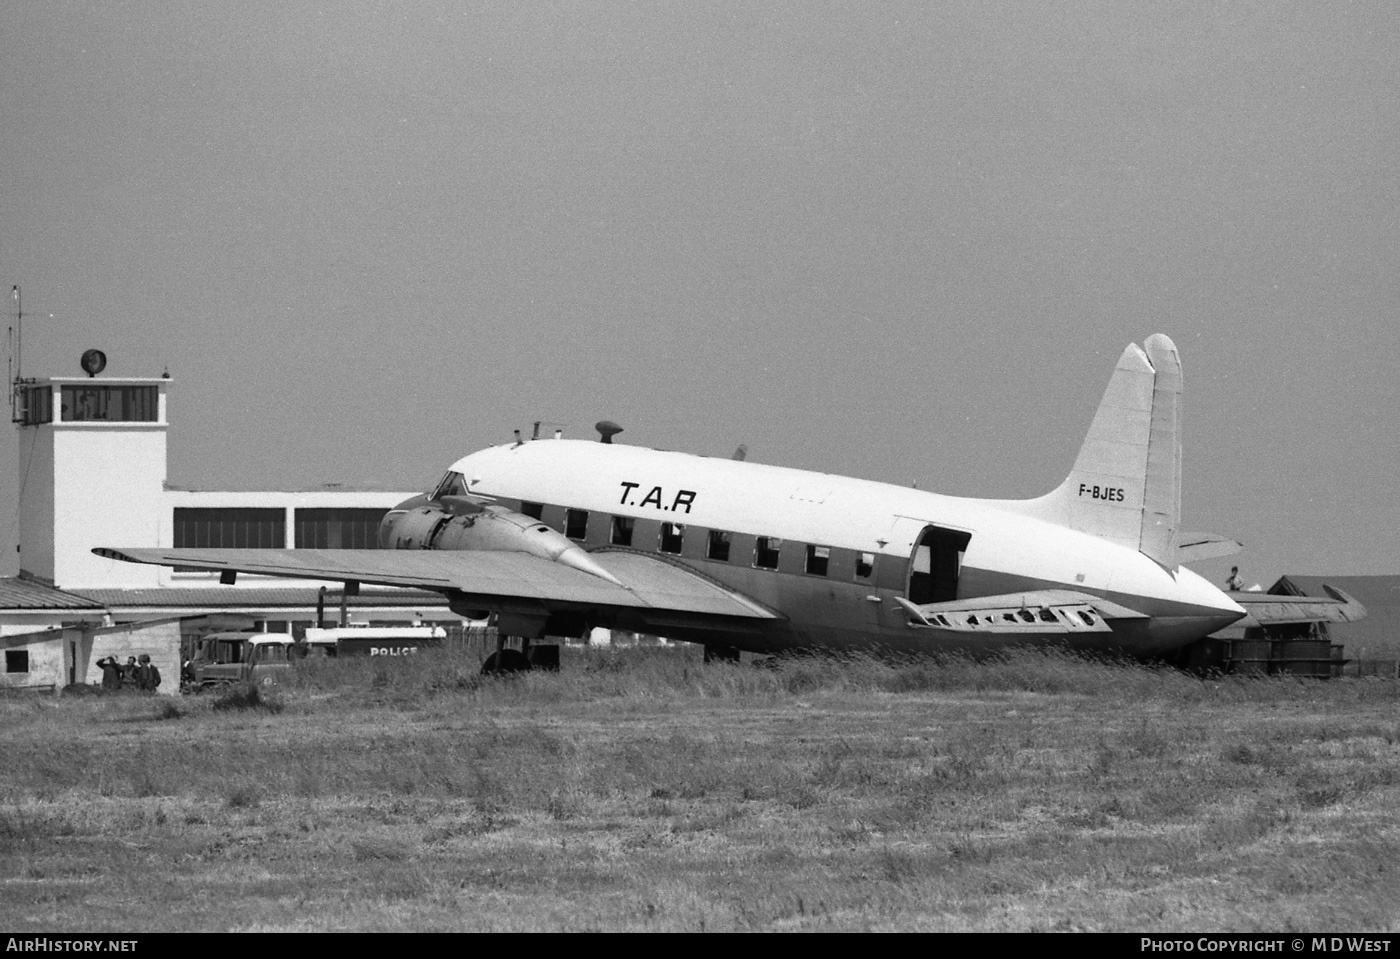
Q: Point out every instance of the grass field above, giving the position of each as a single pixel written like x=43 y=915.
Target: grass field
x=640 y=790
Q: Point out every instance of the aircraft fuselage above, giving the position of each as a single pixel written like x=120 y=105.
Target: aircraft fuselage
x=831 y=554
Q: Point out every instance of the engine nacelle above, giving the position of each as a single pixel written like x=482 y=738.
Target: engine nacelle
x=411 y=528
x=431 y=526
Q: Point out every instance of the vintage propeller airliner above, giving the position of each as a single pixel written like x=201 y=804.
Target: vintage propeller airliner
x=558 y=536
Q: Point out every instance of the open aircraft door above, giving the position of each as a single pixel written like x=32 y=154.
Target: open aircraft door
x=934 y=564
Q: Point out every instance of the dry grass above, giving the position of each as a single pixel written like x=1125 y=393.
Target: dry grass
x=641 y=790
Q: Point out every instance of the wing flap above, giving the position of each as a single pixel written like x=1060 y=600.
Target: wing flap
x=663 y=584
x=1040 y=612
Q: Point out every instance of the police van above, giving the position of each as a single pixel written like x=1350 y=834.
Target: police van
x=389 y=643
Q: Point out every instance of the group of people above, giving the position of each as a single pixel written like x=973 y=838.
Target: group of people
x=142 y=675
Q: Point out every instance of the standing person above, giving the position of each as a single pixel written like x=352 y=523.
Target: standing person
x=1234 y=584
x=147 y=676
x=111 y=673
x=129 y=672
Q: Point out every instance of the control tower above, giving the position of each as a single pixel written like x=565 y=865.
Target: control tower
x=92 y=469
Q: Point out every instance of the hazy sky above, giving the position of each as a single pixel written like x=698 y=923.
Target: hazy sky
x=904 y=241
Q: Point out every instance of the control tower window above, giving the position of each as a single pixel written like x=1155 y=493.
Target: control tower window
x=113 y=404
x=34 y=405
x=452 y=485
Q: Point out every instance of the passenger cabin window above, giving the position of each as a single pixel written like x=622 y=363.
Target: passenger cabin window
x=865 y=565
x=576 y=523
x=718 y=547
x=622 y=530
x=818 y=558
x=766 y=552
x=671 y=535
x=532 y=510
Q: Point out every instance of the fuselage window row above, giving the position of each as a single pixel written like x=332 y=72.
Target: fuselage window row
x=718 y=544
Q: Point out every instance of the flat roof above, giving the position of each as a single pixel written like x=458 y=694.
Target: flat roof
x=99 y=380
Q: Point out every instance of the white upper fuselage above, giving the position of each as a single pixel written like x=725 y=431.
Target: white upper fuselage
x=1007 y=550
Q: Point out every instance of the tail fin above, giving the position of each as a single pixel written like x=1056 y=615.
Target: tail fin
x=1126 y=482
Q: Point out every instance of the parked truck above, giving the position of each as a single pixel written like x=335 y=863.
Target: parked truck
x=225 y=658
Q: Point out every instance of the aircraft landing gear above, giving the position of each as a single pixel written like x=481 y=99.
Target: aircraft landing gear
x=721 y=654
x=505 y=662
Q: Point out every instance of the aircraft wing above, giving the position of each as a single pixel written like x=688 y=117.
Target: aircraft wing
x=1040 y=611
x=1270 y=609
x=487 y=579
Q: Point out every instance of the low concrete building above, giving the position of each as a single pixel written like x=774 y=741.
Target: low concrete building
x=66 y=656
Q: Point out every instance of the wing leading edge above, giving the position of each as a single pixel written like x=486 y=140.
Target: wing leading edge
x=488 y=578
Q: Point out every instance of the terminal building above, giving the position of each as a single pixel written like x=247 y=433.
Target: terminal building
x=92 y=472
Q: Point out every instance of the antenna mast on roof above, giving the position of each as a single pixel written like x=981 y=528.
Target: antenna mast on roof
x=16 y=358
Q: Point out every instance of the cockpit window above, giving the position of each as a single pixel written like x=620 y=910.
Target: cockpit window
x=452 y=485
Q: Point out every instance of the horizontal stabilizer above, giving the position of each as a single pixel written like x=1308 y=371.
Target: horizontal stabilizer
x=1270 y=609
x=1042 y=612
x=1194 y=547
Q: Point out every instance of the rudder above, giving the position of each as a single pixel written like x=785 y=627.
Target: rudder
x=1125 y=486
x=1161 y=509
